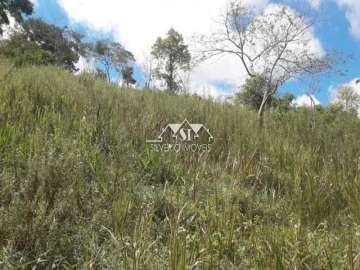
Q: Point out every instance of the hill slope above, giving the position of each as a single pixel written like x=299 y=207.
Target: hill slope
x=80 y=189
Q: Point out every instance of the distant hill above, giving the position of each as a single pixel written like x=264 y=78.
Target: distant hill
x=81 y=189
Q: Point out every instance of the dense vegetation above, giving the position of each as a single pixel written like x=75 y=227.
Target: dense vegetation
x=79 y=188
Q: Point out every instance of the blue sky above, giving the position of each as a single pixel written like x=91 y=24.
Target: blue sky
x=336 y=30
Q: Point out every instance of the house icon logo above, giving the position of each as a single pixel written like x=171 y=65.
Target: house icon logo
x=184 y=132
x=186 y=136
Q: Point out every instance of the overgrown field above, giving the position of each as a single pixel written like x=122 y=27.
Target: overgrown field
x=79 y=188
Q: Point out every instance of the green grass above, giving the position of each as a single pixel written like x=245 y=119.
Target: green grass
x=79 y=188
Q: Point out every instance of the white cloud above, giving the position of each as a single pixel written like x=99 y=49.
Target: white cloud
x=137 y=24
x=315 y=4
x=352 y=11
x=9 y=29
x=207 y=90
x=85 y=65
x=305 y=101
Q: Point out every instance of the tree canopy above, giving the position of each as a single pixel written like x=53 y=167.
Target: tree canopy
x=40 y=43
x=252 y=92
x=25 y=52
x=112 y=56
x=64 y=44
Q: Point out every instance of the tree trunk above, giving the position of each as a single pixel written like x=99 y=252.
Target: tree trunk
x=262 y=110
x=261 y=117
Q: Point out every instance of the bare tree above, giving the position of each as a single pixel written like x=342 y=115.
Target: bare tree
x=276 y=45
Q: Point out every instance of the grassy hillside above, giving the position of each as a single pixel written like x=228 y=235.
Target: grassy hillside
x=79 y=188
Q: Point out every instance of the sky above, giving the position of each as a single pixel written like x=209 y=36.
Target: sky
x=136 y=24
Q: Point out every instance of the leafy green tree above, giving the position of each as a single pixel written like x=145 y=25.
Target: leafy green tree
x=128 y=76
x=16 y=8
x=25 y=52
x=283 y=103
x=63 y=43
x=172 y=56
x=252 y=92
x=112 y=56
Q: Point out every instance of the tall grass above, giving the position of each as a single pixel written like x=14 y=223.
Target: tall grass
x=80 y=189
